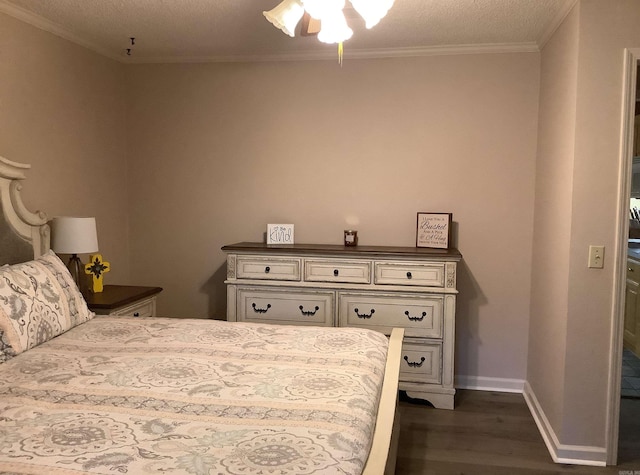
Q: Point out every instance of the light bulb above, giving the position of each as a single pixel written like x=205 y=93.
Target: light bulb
x=334 y=29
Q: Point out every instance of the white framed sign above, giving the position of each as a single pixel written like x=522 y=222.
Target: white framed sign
x=434 y=230
x=279 y=233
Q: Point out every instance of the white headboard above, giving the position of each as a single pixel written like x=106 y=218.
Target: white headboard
x=23 y=235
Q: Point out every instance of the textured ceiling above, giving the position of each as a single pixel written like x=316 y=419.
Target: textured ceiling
x=231 y=30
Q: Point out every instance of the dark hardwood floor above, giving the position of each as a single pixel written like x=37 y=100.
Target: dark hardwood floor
x=494 y=433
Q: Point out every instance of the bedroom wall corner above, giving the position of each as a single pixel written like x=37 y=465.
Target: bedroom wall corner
x=552 y=220
x=62 y=111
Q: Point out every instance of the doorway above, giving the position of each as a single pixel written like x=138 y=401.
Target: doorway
x=629 y=430
x=624 y=407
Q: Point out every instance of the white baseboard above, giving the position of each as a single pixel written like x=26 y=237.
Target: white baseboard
x=482 y=383
x=562 y=453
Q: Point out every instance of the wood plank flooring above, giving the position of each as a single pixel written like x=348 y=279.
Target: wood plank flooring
x=493 y=433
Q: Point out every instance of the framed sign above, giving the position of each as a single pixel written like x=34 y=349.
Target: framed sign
x=434 y=230
x=279 y=233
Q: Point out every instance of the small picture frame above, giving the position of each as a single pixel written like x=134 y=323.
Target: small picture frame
x=434 y=230
x=280 y=233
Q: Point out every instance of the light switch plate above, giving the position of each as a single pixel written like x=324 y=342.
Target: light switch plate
x=596 y=257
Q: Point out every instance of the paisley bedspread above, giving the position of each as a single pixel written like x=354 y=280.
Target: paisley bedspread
x=159 y=395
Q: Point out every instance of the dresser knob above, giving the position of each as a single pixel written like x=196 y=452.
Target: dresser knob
x=630 y=269
x=136 y=314
x=267 y=270
x=409 y=275
x=335 y=272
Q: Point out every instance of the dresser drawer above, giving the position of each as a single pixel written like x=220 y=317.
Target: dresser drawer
x=421 y=362
x=294 y=306
x=420 y=316
x=331 y=270
x=143 y=308
x=398 y=273
x=272 y=268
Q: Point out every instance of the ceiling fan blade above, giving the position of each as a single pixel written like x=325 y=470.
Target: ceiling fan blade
x=310 y=26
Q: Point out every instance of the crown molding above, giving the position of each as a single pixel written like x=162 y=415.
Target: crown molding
x=349 y=54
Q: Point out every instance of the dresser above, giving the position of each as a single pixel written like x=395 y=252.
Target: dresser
x=130 y=300
x=375 y=287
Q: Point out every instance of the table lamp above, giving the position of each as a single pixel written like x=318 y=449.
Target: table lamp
x=72 y=235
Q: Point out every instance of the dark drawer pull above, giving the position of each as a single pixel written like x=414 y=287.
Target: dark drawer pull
x=364 y=315
x=308 y=313
x=261 y=310
x=267 y=270
x=335 y=272
x=409 y=275
x=136 y=314
x=415 y=319
x=414 y=364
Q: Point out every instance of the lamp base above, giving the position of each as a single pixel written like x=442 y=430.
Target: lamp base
x=76 y=268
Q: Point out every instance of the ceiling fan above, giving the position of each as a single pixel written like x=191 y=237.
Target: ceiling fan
x=325 y=18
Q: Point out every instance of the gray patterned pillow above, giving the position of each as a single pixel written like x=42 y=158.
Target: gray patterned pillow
x=38 y=301
x=6 y=352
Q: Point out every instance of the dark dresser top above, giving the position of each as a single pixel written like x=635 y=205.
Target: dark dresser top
x=352 y=251
x=114 y=296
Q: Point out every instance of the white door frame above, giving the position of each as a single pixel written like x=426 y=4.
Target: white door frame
x=631 y=58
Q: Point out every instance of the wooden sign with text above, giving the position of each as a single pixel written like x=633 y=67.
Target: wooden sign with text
x=280 y=233
x=434 y=230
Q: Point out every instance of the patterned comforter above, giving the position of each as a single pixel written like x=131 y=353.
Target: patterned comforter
x=137 y=396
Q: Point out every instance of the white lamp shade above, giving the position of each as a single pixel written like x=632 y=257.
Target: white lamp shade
x=286 y=16
x=372 y=10
x=321 y=9
x=334 y=29
x=71 y=235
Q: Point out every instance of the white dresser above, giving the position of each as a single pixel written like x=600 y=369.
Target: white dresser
x=374 y=287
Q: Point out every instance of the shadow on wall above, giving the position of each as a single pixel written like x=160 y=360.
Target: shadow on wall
x=215 y=288
x=470 y=298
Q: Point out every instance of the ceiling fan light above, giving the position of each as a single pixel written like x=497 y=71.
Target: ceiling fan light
x=334 y=29
x=320 y=9
x=372 y=10
x=286 y=16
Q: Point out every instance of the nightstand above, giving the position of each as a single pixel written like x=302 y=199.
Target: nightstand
x=124 y=300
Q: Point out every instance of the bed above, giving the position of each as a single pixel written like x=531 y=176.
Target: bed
x=81 y=393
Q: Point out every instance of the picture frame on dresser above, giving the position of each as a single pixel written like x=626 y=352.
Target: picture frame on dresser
x=280 y=233
x=433 y=230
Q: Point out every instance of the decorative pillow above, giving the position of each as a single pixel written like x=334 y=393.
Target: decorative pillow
x=6 y=352
x=38 y=301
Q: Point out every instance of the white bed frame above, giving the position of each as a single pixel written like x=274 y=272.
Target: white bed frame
x=33 y=229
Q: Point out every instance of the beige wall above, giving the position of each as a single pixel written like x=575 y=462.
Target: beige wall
x=62 y=111
x=217 y=151
x=552 y=218
x=605 y=30
x=571 y=302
